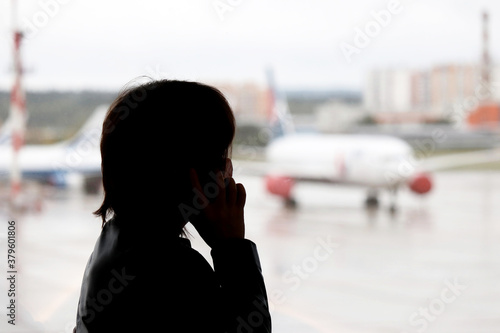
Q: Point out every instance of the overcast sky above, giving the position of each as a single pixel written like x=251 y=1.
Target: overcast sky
x=73 y=44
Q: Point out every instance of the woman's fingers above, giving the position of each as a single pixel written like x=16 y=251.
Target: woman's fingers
x=241 y=195
x=221 y=196
x=231 y=191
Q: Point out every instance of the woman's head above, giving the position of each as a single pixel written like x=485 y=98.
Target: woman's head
x=152 y=135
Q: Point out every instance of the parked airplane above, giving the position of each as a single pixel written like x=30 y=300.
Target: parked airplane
x=52 y=163
x=372 y=161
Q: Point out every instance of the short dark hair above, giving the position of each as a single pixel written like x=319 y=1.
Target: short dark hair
x=152 y=135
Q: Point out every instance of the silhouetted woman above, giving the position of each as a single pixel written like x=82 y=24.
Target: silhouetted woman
x=165 y=148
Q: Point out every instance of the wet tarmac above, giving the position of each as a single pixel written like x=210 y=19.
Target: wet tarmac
x=330 y=265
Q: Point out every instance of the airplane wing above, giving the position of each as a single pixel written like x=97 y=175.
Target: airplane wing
x=49 y=163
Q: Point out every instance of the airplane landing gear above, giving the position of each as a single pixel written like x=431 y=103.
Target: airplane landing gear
x=372 y=199
x=393 y=208
x=290 y=203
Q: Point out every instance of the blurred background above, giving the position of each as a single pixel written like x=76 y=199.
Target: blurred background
x=368 y=140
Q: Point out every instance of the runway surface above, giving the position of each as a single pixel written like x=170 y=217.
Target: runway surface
x=330 y=265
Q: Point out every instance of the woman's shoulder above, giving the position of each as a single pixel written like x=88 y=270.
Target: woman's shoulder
x=136 y=248
x=145 y=267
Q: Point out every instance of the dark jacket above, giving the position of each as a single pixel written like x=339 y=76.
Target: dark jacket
x=137 y=281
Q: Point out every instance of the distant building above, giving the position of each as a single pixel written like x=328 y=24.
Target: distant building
x=248 y=100
x=485 y=116
x=452 y=84
x=389 y=91
x=442 y=92
x=420 y=91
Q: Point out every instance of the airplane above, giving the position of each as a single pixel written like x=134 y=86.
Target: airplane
x=52 y=163
x=375 y=162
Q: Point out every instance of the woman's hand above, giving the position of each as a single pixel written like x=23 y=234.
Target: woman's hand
x=222 y=215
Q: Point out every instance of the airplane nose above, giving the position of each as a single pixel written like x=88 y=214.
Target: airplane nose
x=421 y=183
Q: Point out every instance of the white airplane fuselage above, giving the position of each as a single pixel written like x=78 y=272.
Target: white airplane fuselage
x=368 y=160
x=374 y=162
x=49 y=163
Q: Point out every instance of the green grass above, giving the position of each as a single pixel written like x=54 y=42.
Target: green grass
x=490 y=166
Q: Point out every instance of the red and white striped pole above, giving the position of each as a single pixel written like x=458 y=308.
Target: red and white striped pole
x=17 y=111
x=486 y=59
